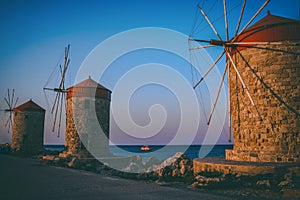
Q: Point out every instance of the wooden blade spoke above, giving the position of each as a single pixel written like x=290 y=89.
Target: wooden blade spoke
x=66 y=64
x=209 y=69
x=55 y=115
x=201 y=47
x=66 y=56
x=240 y=18
x=64 y=74
x=55 y=102
x=66 y=60
x=217 y=97
x=8 y=96
x=255 y=15
x=229 y=111
x=60 y=113
x=243 y=83
x=62 y=78
x=209 y=22
x=16 y=102
x=65 y=106
x=258 y=43
x=65 y=68
x=7 y=102
x=8 y=123
x=61 y=71
x=12 y=98
x=45 y=88
x=198 y=40
x=226 y=20
x=67 y=52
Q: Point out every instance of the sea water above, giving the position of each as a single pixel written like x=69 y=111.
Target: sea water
x=160 y=151
x=163 y=152
x=54 y=147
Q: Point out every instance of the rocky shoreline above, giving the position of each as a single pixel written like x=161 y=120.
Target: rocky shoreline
x=177 y=171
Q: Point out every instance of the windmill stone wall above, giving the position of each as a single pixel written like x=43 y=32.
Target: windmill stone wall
x=28 y=128
x=273 y=80
x=270 y=68
x=266 y=136
x=88 y=109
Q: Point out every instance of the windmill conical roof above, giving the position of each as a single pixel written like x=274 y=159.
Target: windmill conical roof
x=271 y=28
x=89 y=82
x=88 y=88
x=29 y=106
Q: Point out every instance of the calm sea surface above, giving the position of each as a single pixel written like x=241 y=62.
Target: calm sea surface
x=162 y=152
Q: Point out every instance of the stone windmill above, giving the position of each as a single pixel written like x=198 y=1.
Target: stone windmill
x=79 y=102
x=88 y=106
x=28 y=128
x=263 y=67
x=27 y=124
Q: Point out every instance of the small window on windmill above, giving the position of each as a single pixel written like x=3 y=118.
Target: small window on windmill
x=26 y=116
x=87 y=104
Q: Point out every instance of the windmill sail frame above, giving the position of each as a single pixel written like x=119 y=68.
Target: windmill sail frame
x=11 y=104
x=231 y=46
x=60 y=93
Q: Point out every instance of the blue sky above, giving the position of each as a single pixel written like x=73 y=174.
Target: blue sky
x=34 y=34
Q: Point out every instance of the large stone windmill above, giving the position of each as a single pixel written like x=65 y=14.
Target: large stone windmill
x=271 y=73
x=263 y=65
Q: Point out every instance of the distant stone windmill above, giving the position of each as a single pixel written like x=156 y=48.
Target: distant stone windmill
x=11 y=103
x=28 y=128
x=27 y=124
x=263 y=65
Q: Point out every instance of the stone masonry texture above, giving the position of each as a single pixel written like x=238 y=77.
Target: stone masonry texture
x=272 y=76
x=85 y=116
x=28 y=131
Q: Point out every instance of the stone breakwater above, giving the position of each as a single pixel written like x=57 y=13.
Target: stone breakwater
x=176 y=168
x=179 y=168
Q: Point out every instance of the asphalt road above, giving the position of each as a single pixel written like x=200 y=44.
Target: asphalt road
x=28 y=179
